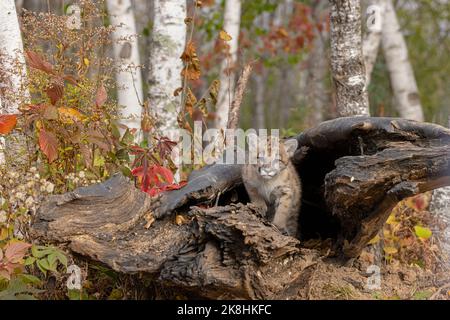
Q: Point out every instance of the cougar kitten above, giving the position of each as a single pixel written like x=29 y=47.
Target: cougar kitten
x=273 y=183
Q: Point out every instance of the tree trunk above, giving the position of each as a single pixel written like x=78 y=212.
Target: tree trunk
x=13 y=90
x=403 y=82
x=259 y=121
x=167 y=45
x=126 y=54
x=347 y=63
x=372 y=40
x=318 y=63
x=354 y=170
x=231 y=24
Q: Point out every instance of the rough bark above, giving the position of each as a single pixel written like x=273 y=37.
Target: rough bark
x=167 y=45
x=126 y=54
x=231 y=24
x=347 y=62
x=403 y=82
x=354 y=170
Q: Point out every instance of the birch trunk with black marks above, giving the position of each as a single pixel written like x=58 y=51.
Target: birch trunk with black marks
x=314 y=89
x=231 y=25
x=403 y=82
x=372 y=39
x=13 y=89
x=126 y=54
x=347 y=62
x=354 y=171
x=168 y=41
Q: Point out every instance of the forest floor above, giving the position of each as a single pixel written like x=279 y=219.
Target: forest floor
x=397 y=282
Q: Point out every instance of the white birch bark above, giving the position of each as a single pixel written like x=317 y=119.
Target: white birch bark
x=314 y=89
x=347 y=61
x=126 y=54
x=231 y=24
x=259 y=121
x=13 y=70
x=403 y=82
x=165 y=66
x=372 y=39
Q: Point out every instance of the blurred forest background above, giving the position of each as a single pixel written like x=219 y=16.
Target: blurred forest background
x=291 y=86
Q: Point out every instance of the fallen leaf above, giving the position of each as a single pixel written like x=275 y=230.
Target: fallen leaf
x=179 y=220
x=422 y=232
x=7 y=123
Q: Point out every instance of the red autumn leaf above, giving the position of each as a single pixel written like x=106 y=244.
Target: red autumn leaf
x=164 y=146
x=48 y=144
x=156 y=190
x=101 y=96
x=36 y=62
x=55 y=91
x=15 y=251
x=153 y=177
x=164 y=173
x=71 y=79
x=7 y=123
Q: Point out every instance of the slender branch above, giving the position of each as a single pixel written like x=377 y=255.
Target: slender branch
x=233 y=113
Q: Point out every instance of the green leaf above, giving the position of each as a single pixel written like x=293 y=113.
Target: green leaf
x=40 y=251
x=127 y=138
x=422 y=295
x=61 y=258
x=422 y=232
x=43 y=265
x=30 y=279
x=52 y=258
x=99 y=161
x=29 y=261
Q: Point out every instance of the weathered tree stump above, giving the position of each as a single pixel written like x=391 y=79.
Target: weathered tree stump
x=354 y=171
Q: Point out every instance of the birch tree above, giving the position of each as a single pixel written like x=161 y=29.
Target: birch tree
x=403 y=82
x=372 y=39
x=167 y=44
x=231 y=24
x=13 y=71
x=314 y=87
x=126 y=54
x=347 y=62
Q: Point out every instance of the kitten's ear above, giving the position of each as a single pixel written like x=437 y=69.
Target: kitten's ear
x=290 y=146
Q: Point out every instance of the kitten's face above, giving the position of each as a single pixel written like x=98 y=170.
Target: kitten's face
x=273 y=156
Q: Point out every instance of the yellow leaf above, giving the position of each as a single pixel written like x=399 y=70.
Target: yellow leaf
x=69 y=115
x=422 y=232
x=376 y=239
x=223 y=35
x=179 y=220
x=390 y=250
x=86 y=62
x=391 y=220
x=149 y=219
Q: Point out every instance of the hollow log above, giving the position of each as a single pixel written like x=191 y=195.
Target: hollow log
x=354 y=171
